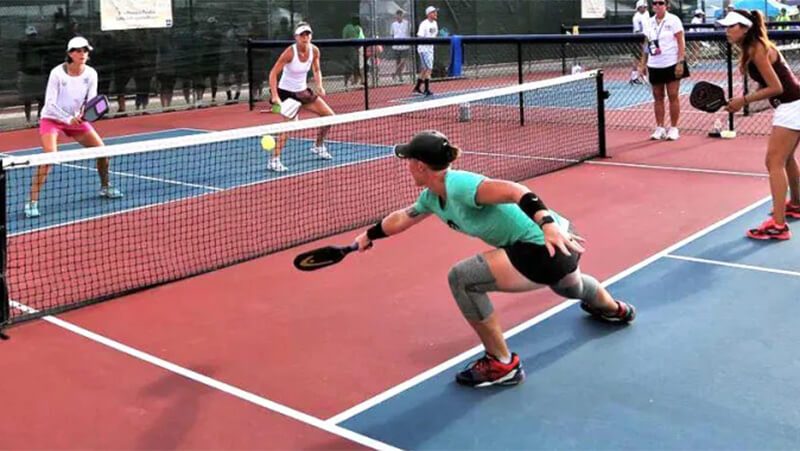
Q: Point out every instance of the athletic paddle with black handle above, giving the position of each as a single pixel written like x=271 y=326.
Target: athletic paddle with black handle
x=323 y=257
x=707 y=97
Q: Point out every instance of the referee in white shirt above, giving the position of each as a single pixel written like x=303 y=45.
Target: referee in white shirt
x=428 y=28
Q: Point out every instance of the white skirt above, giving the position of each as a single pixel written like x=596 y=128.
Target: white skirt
x=787 y=115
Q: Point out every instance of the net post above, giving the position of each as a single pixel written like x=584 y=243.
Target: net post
x=729 y=58
x=4 y=299
x=251 y=100
x=519 y=79
x=601 y=114
x=365 y=77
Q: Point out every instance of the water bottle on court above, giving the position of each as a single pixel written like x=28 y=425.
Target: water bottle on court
x=464 y=112
x=717 y=125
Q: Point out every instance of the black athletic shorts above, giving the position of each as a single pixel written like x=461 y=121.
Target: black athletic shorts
x=664 y=75
x=533 y=261
x=305 y=96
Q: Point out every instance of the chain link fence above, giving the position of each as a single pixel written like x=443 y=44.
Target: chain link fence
x=493 y=61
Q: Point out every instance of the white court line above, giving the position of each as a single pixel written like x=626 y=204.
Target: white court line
x=375 y=400
x=144 y=177
x=9 y=153
x=733 y=265
x=214 y=383
x=626 y=165
x=677 y=168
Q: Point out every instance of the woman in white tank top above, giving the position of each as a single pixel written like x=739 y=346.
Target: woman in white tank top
x=69 y=86
x=294 y=64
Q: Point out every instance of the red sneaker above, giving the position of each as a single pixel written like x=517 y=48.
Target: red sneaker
x=792 y=210
x=488 y=371
x=769 y=230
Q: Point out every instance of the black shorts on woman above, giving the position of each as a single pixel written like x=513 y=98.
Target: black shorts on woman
x=305 y=96
x=664 y=75
x=535 y=263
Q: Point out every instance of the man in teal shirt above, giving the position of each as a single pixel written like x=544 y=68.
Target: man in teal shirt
x=533 y=248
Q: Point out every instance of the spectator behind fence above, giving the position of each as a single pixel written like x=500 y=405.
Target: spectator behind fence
x=783 y=17
x=665 y=64
x=186 y=60
x=166 y=75
x=696 y=47
x=428 y=28
x=640 y=19
x=401 y=29
x=234 y=59
x=354 y=59
x=30 y=78
x=145 y=68
x=210 y=61
x=124 y=50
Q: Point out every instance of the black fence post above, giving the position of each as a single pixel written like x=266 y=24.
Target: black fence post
x=366 y=78
x=520 y=80
x=250 y=83
x=729 y=58
x=601 y=115
x=745 y=91
x=4 y=295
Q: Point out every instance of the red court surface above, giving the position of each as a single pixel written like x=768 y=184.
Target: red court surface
x=326 y=341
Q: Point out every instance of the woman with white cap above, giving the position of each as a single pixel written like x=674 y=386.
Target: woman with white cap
x=763 y=62
x=69 y=86
x=665 y=63
x=294 y=64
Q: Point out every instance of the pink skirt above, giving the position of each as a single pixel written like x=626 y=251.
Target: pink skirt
x=48 y=126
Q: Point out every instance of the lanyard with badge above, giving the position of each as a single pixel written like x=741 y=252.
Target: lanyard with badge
x=652 y=45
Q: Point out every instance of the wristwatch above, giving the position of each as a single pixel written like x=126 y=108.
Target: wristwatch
x=546 y=220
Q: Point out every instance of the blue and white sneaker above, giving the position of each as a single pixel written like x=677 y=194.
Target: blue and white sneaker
x=109 y=192
x=321 y=152
x=32 y=210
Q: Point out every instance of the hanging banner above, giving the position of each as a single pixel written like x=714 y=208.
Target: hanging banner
x=593 y=9
x=135 y=14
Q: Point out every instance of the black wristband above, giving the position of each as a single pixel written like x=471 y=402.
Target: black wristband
x=547 y=219
x=376 y=232
x=531 y=204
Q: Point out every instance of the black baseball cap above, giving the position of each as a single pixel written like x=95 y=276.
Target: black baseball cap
x=430 y=147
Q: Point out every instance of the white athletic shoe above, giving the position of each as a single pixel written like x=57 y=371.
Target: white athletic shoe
x=672 y=134
x=321 y=152
x=275 y=165
x=659 y=134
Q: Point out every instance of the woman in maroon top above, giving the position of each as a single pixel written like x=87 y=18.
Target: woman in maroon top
x=765 y=64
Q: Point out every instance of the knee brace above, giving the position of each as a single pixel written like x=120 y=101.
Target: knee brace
x=470 y=280
x=577 y=286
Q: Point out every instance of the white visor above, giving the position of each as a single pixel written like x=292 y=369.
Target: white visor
x=302 y=29
x=78 y=42
x=734 y=18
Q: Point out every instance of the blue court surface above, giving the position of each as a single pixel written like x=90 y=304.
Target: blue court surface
x=164 y=176
x=711 y=362
x=623 y=95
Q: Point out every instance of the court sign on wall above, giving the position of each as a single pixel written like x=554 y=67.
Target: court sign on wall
x=593 y=9
x=135 y=14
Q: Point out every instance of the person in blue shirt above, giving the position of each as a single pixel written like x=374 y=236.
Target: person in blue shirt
x=533 y=247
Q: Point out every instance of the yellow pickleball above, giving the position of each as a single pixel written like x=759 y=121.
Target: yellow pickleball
x=267 y=143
